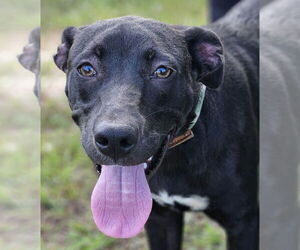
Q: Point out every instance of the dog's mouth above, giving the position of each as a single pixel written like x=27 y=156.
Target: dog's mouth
x=154 y=162
x=121 y=201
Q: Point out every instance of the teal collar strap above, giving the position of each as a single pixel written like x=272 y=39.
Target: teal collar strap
x=199 y=105
x=189 y=133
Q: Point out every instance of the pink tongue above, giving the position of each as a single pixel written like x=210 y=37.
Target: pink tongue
x=121 y=201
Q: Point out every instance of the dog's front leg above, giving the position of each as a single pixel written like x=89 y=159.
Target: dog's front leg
x=243 y=234
x=164 y=228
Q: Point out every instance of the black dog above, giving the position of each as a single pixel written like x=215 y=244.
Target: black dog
x=133 y=85
x=218 y=8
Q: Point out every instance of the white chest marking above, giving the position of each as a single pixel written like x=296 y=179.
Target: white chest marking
x=194 y=202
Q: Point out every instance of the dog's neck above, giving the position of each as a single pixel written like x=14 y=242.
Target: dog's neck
x=197 y=111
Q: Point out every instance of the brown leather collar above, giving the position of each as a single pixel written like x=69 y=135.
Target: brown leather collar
x=181 y=138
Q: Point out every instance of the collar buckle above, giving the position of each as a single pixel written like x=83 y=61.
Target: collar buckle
x=181 y=139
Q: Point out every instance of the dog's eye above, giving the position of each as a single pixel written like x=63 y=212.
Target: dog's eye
x=86 y=70
x=163 y=72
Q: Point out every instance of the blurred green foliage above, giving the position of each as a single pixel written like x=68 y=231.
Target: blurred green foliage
x=16 y=14
x=19 y=153
x=63 y=13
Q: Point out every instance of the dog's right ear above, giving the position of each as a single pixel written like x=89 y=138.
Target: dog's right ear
x=207 y=54
x=61 y=57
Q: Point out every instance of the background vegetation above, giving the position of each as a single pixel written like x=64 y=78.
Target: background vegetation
x=20 y=134
x=68 y=176
x=62 y=13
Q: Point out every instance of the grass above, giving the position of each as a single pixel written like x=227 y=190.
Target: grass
x=58 y=14
x=19 y=154
x=16 y=14
x=68 y=176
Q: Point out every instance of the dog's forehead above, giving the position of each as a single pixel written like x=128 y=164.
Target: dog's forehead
x=125 y=35
x=128 y=33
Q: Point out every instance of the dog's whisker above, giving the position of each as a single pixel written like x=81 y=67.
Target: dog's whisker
x=159 y=111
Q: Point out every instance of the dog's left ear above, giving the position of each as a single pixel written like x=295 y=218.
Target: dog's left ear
x=207 y=55
x=61 y=57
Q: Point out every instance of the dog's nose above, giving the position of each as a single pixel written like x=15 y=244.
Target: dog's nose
x=115 y=141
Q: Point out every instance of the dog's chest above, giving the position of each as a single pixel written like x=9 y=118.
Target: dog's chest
x=191 y=202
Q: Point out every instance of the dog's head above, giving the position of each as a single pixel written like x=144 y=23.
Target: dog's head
x=134 y=82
